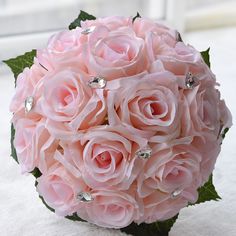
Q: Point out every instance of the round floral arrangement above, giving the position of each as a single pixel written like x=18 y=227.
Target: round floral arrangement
x=120 y=122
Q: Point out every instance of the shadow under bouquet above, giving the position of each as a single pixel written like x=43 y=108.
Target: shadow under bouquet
x=119 y=121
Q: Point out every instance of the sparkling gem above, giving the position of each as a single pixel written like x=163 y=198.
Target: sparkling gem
x=29 y=102
x=176 y=193
x=84 y=197
x=190 y=80
x=88 y=30
x=97 y=82
x=144 y=153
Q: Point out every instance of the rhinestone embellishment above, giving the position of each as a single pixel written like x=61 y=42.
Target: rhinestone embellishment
x=144 y=153
x=29 y=102
x=88 y=30
x=84 y=197
x=176 y=193
x=97 y=82
x=190 y=80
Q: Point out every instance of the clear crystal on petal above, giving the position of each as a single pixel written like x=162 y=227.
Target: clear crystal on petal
x=144 y=153
x=190 y=81
x=29 y=102
x=97 y=82
x=88 y=30
x=84 y=197
x=176 y=193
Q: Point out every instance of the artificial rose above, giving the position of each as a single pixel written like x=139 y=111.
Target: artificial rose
x=105 y=156
x=114 y=54
x=70 y=104
x=111 y=209
x=143 y=26
x=172 y=166
x=181 y=60
x=205 y=114
x=63 y=50
x=150 y=105
x=161 y=206
x=27 y=84
x=59 y=189
x=34 y=145
x=111 y=22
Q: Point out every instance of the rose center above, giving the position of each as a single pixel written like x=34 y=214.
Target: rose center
x=104 y=159
x=156 y=109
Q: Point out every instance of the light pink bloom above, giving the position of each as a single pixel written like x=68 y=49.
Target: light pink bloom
x=34 y=145
x=63 y=50
x=70 y=104
x=161 y=206
x=110 y=209
x=59 y=189
x=173 y=166
x=114 y=54
x=27 y=84
x=105 y=156
x=147 y=105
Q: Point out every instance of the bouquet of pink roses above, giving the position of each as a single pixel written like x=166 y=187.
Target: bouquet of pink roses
x=120 y=122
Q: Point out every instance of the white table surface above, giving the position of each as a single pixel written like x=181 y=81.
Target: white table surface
x=23 y=214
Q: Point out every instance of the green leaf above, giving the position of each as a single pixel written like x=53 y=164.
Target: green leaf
x=75 y=217
x=206 y=57
x=137 y=16
x=36 y=173
x=82 y=17
x=207 y=192
x=165 y=226
x=13 y=150
x=51 y=209
x=160 y=228
x=18 y=64
x=225 y=132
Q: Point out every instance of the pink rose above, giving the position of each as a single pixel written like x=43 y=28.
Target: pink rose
x=173 y=166
x=34 y=145
x=63 y=50
x=105 y=156
x=114 y=53
x=181 y=60
x=59 y=189
x=143 y=26
x=27 y=84
x=70 y=104
x=161 y=206
x=159 y=39
x=203 y=115
x=149 y=105
x=111 y=22
x=110 y=209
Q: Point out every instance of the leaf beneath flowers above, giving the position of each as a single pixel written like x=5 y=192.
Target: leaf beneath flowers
x=225 y=132
x=18 y=64
x=160 y=228
x=83 y=16
x=75 y=217
x=206 y=57
x=36 y=173
x=207 y=192
x=13 y=150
